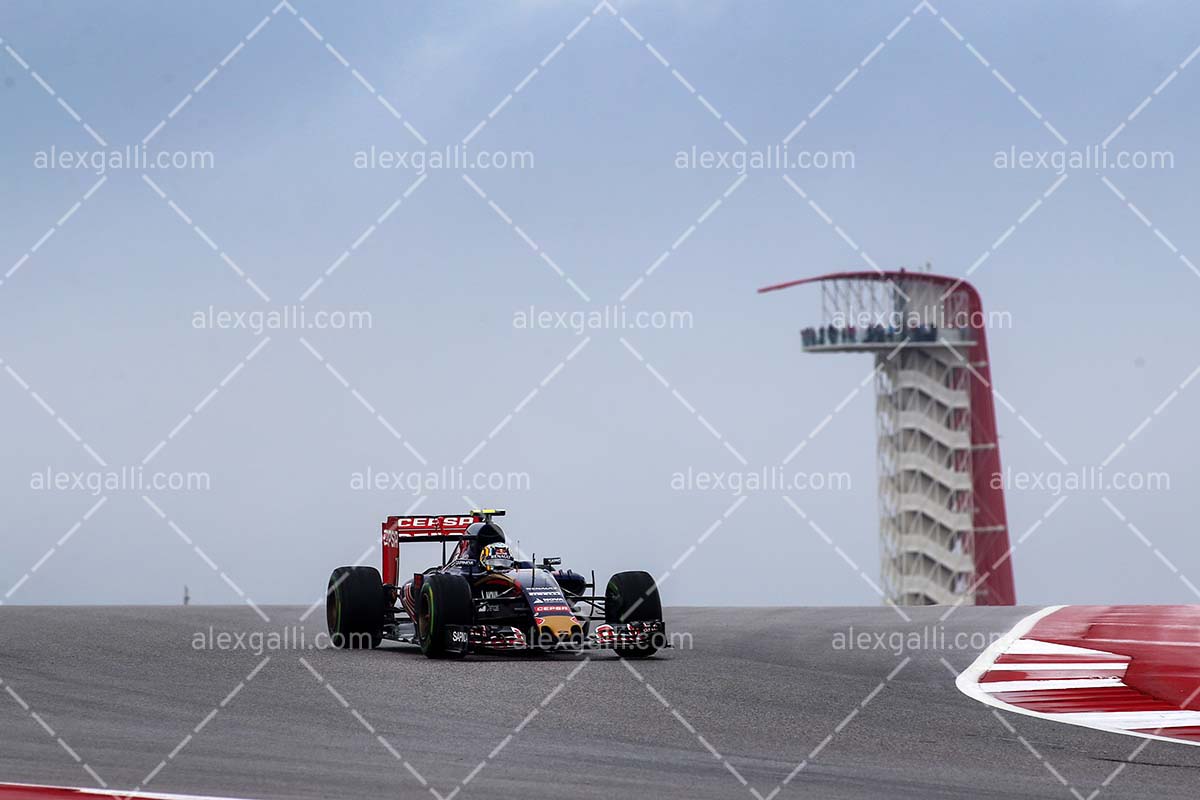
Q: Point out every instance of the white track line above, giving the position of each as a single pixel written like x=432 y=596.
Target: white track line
x=1124 y=720
x=1033 y=647
x=1116 y=722
x=1042 y=686
x=1035 y=666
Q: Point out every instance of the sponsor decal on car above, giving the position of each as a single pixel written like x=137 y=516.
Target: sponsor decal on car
x=397 y=529
x=546 y=609
x=432 y=522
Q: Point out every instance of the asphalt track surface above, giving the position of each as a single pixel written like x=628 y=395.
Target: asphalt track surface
x=767 y=689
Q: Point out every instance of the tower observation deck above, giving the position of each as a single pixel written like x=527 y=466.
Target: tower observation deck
x=942 y=525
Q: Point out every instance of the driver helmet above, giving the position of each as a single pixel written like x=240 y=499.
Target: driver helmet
x=496 y=558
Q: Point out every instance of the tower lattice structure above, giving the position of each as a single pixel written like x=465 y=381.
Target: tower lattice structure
x=942 y=523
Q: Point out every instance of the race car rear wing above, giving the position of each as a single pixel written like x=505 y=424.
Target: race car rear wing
x=444 y=528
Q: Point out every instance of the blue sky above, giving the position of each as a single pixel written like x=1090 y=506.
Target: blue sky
x=98 y=320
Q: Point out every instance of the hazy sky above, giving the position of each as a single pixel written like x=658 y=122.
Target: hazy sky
x=100 y=335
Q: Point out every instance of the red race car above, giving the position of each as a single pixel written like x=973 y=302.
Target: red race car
x=483 y=598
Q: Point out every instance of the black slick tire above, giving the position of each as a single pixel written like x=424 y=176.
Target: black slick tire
x=633 y=597
x=354 y=608
x=445 y=601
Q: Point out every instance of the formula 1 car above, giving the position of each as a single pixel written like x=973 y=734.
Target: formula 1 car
x=481 y=598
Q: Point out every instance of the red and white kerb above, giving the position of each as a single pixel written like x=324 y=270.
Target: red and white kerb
x=1133 y=670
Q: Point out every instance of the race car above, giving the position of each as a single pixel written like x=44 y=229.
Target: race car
x=482 y=598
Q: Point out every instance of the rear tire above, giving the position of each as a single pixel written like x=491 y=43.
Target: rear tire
x=633 y=597
x=445 y=601
x=354 y=608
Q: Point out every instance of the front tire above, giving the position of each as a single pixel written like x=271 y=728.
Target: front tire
x=445 y=602
x=633 y=597
x=354 y=608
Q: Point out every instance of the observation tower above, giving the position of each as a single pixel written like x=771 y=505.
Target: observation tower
x=942 y=525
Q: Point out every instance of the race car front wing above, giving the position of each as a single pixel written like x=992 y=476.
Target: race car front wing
x=605 y=636
x=508 y=638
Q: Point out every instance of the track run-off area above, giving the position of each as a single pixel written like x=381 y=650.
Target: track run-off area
x=750 y=703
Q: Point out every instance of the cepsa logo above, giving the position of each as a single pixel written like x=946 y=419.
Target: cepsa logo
x=432 y=522
x=547 y=609
x=419 y=526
